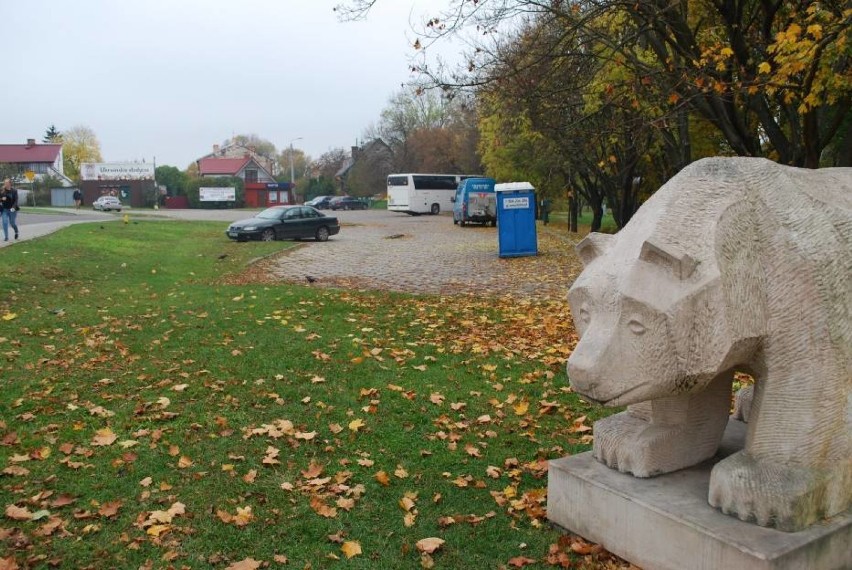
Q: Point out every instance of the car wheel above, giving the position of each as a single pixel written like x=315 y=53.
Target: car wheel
x=322 y=233
x=435 y=210
x=267 y=235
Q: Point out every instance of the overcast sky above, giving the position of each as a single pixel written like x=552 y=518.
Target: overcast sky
x=170 y=78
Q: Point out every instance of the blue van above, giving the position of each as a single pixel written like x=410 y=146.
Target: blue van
x=475 y=201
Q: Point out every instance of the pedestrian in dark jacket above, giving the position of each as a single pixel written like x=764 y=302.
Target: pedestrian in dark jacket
x=9 y=208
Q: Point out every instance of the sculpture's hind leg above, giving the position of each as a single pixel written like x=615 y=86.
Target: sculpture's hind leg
x=796 y=467
x=787 y=497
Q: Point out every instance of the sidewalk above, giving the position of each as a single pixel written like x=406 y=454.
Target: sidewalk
x=32 y=226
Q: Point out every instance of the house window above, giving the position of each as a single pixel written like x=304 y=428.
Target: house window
x=251 y=176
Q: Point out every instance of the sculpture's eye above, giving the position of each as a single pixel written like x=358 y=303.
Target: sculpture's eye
x=636 y=327
x=584 y=315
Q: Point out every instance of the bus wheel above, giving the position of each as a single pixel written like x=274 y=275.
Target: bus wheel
x=436 y=209
x=461 y=222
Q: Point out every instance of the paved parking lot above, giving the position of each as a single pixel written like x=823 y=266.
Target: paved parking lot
x=383 y=250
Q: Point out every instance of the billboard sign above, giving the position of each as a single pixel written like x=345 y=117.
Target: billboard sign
x=217 y=194
x=116 y=171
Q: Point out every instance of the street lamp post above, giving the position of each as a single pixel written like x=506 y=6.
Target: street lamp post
x=292 y=178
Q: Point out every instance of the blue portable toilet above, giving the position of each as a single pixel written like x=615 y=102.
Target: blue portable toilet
x=516 y=234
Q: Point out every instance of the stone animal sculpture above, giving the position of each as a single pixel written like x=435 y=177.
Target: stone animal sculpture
x=734 y=264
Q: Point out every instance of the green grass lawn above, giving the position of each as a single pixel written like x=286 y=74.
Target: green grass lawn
x=584 y=222
x=164 y=408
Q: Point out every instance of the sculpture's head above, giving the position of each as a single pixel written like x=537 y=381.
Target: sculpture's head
x=650 y=318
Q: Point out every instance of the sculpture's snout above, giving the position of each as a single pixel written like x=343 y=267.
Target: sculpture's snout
x=580 y=378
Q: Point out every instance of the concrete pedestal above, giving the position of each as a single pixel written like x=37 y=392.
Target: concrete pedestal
x=665 y=522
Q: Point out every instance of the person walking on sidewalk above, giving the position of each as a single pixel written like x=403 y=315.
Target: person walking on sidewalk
x=9 y=208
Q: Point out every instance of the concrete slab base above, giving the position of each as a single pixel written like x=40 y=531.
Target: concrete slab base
x=666 y=523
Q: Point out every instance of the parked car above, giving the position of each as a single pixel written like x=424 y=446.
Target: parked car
x=347 y=203
x=475 y=201
x=107 y=203
x=320 y=202
x=285 y=222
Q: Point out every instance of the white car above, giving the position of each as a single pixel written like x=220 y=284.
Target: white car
x=107 y=203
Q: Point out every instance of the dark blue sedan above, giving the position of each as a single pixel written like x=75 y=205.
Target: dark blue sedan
x=285 y=222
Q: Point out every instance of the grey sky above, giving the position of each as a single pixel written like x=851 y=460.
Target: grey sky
x=170 y=78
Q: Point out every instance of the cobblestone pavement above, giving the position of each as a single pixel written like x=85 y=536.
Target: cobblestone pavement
x=382 y=250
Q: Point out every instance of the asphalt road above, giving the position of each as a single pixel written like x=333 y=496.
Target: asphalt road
x=36 y=225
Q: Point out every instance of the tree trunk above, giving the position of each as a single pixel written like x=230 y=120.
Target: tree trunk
x=597 y=217
x=573 y=214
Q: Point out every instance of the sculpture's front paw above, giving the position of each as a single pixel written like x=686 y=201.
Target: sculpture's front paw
x=787 y=497
x=633 y=445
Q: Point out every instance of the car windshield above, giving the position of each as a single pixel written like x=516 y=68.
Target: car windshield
x=271 y=214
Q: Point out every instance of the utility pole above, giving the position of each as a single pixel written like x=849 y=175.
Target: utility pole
x=292 y=177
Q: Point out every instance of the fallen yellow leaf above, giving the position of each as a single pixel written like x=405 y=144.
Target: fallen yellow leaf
x=104 y=437
x=243 y=516
x=351 y=548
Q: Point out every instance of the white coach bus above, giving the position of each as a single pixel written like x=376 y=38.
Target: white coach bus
x=423 y=193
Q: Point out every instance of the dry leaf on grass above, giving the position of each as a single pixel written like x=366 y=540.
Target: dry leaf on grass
x=429 y=545
x=104 y=437
x=351 y=548
x=17 y=513
x=247 y=564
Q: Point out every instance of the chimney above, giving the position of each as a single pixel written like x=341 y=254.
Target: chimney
x=215 y=149
x=30 y=143
x=356 y=151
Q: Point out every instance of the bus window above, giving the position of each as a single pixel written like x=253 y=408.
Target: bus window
x=434 y=182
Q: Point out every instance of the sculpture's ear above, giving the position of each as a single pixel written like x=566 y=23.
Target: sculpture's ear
x=593 y=245
x=681 y=264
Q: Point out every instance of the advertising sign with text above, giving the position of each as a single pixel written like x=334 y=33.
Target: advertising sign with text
x=217 y=194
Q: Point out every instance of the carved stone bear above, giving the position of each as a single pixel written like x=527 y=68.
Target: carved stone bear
x=734 y=264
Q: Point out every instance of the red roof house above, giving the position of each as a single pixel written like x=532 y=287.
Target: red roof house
x=41 y=159
x=222 y=166
x=261 y=189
